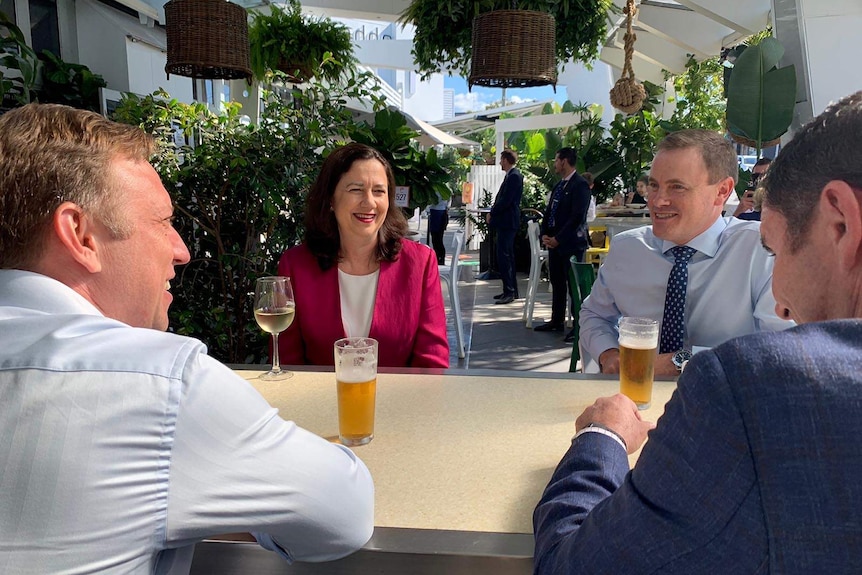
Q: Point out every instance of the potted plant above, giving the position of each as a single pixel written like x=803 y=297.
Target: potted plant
x=298 y=45
x=444 y=29
x=760 y=95
x=427 y=173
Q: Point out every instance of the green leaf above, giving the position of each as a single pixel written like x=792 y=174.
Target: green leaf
x=761 y=98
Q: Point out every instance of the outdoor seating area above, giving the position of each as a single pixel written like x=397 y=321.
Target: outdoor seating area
x=355 y=287
x=494 y=336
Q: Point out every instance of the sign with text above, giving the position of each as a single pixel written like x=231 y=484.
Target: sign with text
x=402 y=196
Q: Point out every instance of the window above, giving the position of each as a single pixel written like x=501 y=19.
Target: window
x=8 y=8
x=44 y=29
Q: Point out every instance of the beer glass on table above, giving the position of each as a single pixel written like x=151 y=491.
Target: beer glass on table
x=274 y=310
x=356 y=378
x=638 y=347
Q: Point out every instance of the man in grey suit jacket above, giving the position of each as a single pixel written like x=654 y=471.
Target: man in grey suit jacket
x=755 y=465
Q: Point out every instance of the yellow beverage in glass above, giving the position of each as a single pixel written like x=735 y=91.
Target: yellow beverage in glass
x=356 y=379
x=638 y=346
x=356 y=411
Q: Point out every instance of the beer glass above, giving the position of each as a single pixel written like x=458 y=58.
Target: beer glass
x=638 y=346
x=356 y=377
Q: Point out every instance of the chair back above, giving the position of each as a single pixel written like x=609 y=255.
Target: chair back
x=533 y=237
x=582 y=276
x=457 y=247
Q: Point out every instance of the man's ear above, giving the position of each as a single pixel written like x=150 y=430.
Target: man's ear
x=840 y=208
x=725 y=188
x=77 y=233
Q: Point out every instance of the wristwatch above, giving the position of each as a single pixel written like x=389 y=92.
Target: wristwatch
x=680 y=358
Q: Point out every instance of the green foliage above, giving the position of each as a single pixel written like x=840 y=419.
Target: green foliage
x=239 y=192
x=760 y=96
x=427 y=173
x=70 y=84
x=700 y=101
x=287 y=40
x=635 y=138
x=20 y=63
x=444 y=29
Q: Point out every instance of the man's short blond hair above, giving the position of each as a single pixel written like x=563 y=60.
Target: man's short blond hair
x=50 y=154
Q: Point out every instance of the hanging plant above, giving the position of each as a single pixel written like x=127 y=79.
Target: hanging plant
x=443 y=39
x=298 y=45
x=760 y=96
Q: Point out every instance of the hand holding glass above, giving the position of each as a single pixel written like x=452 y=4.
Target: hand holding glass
x=356 y=377
x=274 y=310
x=638 y=346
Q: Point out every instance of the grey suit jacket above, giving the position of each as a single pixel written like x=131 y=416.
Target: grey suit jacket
x=755 y=467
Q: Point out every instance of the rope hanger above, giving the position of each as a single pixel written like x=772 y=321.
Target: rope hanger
x=628 y=94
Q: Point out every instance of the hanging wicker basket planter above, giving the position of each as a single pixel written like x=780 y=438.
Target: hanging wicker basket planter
x=297 y=72
x=628 y=94
x=207 y=39
x=513 y=49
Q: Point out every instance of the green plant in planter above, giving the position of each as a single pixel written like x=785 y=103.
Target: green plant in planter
x=70 y=84
x=427 y=173
x=444 y=29
x=20 y=63
x=760 y=96
x=296 y=44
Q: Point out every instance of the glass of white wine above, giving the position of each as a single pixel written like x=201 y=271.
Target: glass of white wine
x=274 y=310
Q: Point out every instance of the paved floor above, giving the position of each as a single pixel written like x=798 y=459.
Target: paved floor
x=496 y=336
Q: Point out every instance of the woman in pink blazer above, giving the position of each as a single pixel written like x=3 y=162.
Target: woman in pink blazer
x=355 y=275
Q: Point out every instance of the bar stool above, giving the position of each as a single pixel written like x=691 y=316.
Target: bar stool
x=450 y=273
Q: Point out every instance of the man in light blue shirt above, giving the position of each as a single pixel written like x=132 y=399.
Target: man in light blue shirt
x=729 y=283
x=123 y=445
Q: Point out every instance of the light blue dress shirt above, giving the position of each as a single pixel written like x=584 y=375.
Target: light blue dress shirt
x=729 y=286
x=122 y=447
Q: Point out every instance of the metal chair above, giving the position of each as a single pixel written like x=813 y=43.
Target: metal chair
x=582 y=275
x=449 y=273
x=538 y=258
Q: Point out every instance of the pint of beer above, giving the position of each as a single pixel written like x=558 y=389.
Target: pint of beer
x=356 y=377
x=638 y=346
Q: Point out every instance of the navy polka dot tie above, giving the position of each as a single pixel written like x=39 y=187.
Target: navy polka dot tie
x=673 y=320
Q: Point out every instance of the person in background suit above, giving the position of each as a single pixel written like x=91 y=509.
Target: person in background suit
x=438 y=221
x=564 y=231
x=754 y=466
x=505 y=219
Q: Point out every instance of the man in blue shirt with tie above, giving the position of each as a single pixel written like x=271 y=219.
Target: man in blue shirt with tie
x=705 y=278
x=754 y=466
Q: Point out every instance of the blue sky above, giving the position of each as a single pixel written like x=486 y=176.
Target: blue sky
x=480 y=97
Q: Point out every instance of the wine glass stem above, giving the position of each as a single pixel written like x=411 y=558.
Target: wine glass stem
x=275 y=362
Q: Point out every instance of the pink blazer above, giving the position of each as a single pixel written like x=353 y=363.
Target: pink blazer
x=409 y=320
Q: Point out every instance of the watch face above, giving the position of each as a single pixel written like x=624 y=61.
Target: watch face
x=681 y=357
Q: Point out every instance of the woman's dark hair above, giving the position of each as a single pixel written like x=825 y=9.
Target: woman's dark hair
x=321 y=229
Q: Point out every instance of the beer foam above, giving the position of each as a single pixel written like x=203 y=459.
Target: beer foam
x=634 y=342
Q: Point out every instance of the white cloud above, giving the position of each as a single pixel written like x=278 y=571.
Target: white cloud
x=471 y=102
x=477 y=101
